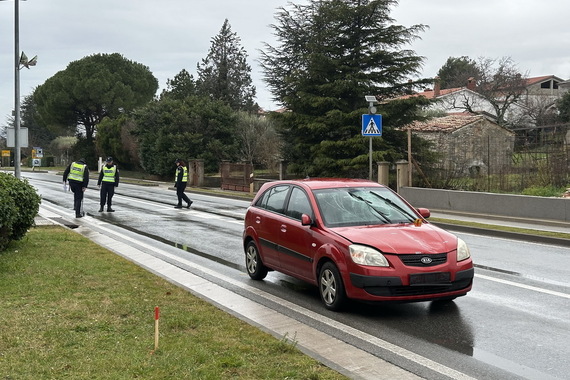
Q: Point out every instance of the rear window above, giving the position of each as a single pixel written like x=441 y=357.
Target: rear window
x=274 y=199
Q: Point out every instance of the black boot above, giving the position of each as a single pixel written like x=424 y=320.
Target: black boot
x=109 y=209
x=178 y=206
x=101 y=209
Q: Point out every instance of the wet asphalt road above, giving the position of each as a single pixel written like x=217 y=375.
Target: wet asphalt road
x=514 y=324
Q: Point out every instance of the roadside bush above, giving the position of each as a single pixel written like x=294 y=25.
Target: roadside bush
x=19 y=205
x=544 y=191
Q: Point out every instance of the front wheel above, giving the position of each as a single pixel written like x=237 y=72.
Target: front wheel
x=331 y=288
x=255 y=268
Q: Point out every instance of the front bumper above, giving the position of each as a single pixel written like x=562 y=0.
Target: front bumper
x=392 y=288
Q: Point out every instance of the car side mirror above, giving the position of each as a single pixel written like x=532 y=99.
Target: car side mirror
x=306 y=220
x=424 y=212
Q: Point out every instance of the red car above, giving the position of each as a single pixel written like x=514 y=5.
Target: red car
x=353 y=239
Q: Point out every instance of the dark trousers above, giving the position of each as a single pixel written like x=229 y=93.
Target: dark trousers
x=180 y=187
x=107 y=192
x=77 y=190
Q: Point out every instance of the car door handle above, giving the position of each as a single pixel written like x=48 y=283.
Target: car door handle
x=283 y=228
x=258 y=220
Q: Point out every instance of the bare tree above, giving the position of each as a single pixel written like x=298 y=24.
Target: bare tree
x=259 y=142
x=499 y=89
x=501 y=84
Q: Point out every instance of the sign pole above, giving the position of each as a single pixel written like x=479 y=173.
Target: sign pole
x=371 y=126
x=17 y=151
x=370 y=160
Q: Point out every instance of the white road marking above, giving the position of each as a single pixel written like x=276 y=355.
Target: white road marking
x=523 y=286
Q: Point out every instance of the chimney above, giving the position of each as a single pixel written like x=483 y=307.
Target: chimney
x=436 y=87
x=471 y=84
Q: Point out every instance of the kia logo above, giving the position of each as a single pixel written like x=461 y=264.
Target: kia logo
x=426 y=260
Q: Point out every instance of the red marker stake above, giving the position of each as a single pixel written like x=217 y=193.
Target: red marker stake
x=156 y=317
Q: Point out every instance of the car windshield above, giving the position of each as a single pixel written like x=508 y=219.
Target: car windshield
x=341 y=207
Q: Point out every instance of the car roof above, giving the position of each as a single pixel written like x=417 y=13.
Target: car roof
x=327 y=183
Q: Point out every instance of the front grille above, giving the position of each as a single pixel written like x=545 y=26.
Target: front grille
x=399 y=291
x=415 y=260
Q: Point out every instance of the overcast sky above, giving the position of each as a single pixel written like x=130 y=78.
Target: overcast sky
x=171 y=35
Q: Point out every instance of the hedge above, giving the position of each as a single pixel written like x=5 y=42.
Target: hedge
x=19 y=205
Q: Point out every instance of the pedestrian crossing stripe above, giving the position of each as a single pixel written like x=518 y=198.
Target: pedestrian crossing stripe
x=371 y=125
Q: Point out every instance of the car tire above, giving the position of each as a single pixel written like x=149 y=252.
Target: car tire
x=253 y=264
x=331 y=288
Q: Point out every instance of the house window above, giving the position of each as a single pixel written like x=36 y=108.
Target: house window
x=545 y=84
x=555 y=85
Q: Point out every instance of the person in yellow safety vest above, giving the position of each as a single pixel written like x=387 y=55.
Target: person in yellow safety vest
x=77 y=175
x=108 y=180
x=180 y=182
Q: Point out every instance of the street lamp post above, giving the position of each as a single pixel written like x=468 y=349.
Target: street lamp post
x=18 y=63
x=17 y=152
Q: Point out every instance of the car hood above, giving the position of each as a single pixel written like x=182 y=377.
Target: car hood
x=401 y=239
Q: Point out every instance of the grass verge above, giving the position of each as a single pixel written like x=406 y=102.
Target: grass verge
x=72 y=309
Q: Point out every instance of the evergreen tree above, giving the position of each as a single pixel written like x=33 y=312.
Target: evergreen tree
x=330 y=54
x=193 y=128
x=97 y=86
x=182 y=86
x=225 y=74
x=457 y=71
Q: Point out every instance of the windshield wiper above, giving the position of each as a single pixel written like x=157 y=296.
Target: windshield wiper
x=369 y=204
x=396 y=206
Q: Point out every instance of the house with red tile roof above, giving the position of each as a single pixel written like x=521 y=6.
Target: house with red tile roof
x=540 y=92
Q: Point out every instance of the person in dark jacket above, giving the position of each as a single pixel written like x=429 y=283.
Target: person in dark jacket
x=181 y=180
x=77 y=175
x=108 y=180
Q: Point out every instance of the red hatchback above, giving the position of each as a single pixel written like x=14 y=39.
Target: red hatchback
x=353 y=239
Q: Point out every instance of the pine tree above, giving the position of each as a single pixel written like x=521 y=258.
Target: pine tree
x=330 y=54
x=181 y=87
x=456 y=72
x=225 y=74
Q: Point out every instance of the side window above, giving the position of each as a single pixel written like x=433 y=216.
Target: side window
x=274 y=198
x=298 y=204
x=262 y=201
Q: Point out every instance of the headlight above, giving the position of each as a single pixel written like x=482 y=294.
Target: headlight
x=363 y=255
x=462 y=250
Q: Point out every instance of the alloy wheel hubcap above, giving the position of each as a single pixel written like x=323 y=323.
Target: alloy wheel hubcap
x=328 y=286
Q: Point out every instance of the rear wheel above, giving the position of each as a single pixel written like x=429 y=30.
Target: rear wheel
x=255 y=268
x=331 y=288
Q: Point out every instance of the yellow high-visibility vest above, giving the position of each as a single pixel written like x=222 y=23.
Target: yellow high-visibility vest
x=76 y=171
x=184 y=175
x=109 y=173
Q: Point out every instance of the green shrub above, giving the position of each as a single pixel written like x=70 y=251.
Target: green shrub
x=544 y=191
x=19 y=205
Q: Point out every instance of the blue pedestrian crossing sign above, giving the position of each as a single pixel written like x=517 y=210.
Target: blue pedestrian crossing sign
x=371 y=125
